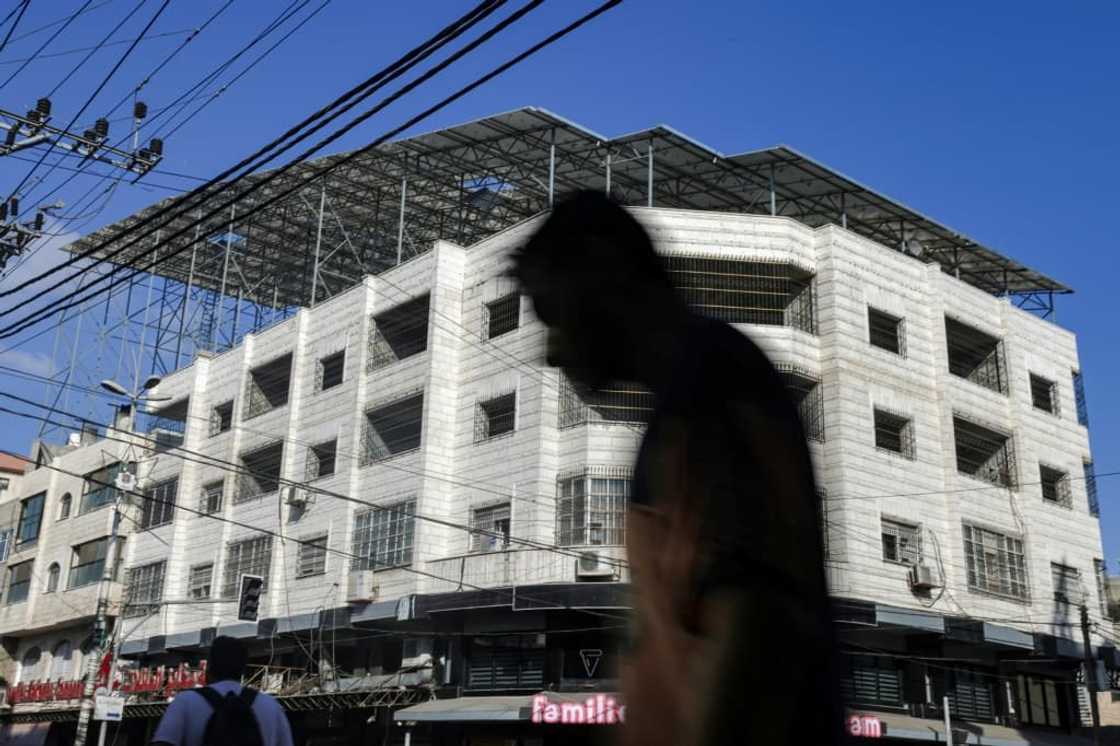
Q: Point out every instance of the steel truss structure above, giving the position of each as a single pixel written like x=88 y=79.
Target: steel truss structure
x=233 y=275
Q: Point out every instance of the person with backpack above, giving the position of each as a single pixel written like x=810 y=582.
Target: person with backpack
x=224 y=713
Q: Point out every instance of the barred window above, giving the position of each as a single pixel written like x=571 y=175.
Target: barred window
x=1091 y=487
x=211 y=498
x=392 y=428
x=1055 y=486
x=262 y=472
x=808 y=395
x=246 y=557
x=1044 y=394
x=321 y=459
x=1079 y=398
x=996 y=563
x=398 y=333
x=490 y=528
x=312 y=558
x=1100 y=574
x=268 y=386
x=495 y=417
x=6 y=536
x=502 y=315
x=984 y=453
x=894 y=433
x=975 y=355
x=618 y=402
x=221 y=418
x=144 y=589
x=19 y=582
x=902 y=542
x=591 y=507
x=383 y=536
x=199 y=580
x=1067 y=584
x=886 y=331
x=159 y=504
x=328 y=373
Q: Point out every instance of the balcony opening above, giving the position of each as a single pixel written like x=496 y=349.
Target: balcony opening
x=502 y=315
x=625 y=403
x=398 y=333
x=221 y=418
x=261 y=474
x=321 y=459
x=894 y=433
x=88 y=563
x=99 y=487
x=886 y=331
x=1044 y=394
x=329 y=371
x=392 y=429
x=808 y=396
x=268 y=386
x=984 y=453
x=495 y=417
x=490 y=528
x=746 y=292
x=1055 y=486
x=975 y=355
x=167 y=426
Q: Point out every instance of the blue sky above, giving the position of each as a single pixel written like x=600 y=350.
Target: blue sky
x=998 y=119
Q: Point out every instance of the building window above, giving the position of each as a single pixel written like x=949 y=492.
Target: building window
x=984 y=453
x=31 y=665
x=398 y=333
x=211 y=498
x=502 y=315
x=1038 y=702
x=894 y=433
x=1079 y=398
x=626 y=403
x=1091 y=487
x=902 y=542
x=6 y=536
x=53 y=574
x=159 y=504
x=1067 y=584
x=808 y=396
x=383 y=536
x=312 y=558
x=168 y=425
x=1044 y=394
x=99 y=487
x=505 y=663
x=1055 y=486
x=198 y=581
x=321 y=459
x=592 y=507
x=261 y=474
x=870 y=680
x=495 y=417
x=246 y=557
x=221 y=418
x=5 y=483
x=746 y=292
x=60 y=660
x=328 y=373
x=1100 y=575
x=64 y=507
x=975 y=355
x=19 y=582
x=144 y=589
x=30 y=519
x=995 y=562
x=490 y=528
x=268 y=386
x=886 y=331
x=88 y=563
x=392 y=428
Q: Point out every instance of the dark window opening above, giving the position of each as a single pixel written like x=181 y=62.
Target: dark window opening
x=1079 y=397
x=261 y=475
x=398 y=333
x=330 y=371
x=506 y=663
x=1091 y=487
x=158 y=505
x=392 y=429
x=1055 y=485
x=100 y=487
x=89 y=562
x=211 y=499
x=894 y=433
x=503 y=315
x=221 y=418
x=808 y=396
x=902 y=542
x=495 y=417
x=19 y=582
x=626 y=403
x=30 y=519
x=870 y=680
x=886 y=331
x=321 y=459
x=984 y=454
x=268 y=386
x=975 y=355
x=1044 y=394
x=167 y=426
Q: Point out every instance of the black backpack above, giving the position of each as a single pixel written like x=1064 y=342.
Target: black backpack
x=232 y=722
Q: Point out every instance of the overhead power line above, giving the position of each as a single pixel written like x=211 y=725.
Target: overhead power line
x=22 y=9
x=65 y=23
x=79 y=50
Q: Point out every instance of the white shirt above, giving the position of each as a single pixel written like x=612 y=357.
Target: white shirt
x=184 y=723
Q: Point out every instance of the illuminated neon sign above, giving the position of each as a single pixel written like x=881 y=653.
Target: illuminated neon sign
x=599 y=709
x=865 y=726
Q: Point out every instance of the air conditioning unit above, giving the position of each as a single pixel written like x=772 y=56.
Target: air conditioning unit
x=126 y=482
x=922 y=578
x=590 y=566
x=361 y=587
x=295 y=497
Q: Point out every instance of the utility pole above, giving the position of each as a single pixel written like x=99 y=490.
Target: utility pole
x=1090 y=674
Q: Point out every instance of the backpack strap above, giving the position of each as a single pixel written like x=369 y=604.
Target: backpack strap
x=212 y=697
x=248 y=696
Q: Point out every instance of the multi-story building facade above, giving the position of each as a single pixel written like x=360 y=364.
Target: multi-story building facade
x=433 y=509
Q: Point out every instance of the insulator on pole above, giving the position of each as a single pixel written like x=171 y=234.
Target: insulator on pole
x=139 y=110
x=156 y=146
x=101 y=128
x=43 y=106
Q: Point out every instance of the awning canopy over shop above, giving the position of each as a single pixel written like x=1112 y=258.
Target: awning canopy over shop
x=904 y=727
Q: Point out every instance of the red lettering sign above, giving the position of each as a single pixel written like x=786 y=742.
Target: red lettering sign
x=146 y=680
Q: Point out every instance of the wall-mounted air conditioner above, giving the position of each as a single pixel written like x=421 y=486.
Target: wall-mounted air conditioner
x=295 y=497
x=126 y=482
x=361 y=587
x=923 y=577
x=591 y=567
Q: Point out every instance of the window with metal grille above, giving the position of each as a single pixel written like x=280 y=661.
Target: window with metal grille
x=1079 y=398
x=158 y=505
x=1055 y=485
x=626 y=403
x=199 y=580
x=392 y=428
x=321 y=459
x=902 y=542
x=144 y=589
x=88 y=563
x=383 y=536
x=1091 y=487
x=490 y=528
x=99 y=487
x=329 y=371
x=221 y=418
x=1100 y=575
x=54 y=573
x=975 y=355
x=268 y=386
x=6 y=537
x=1067 y=584
x=996 y=563
x=745 y=292
x=261 y=475
x=984 y=453
x=495 y=417
x=808 y=395
x=502 y=315
x=312 y=558
x=591 y=506
x=506 y=663
x=870 y=680
x=886 y=331
x=894 y=433
x=398 y=333
x=210 y=500
x=30 y=519
x=1044 y=394
x=19 y=582
x=246 y=557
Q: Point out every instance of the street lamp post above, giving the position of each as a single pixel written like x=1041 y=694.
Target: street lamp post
x=101 y=621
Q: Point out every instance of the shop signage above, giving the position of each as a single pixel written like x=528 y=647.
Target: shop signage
x=590 y=658
x=599 y=709
x=159 y=680
x=108 y=707
x=865 y=726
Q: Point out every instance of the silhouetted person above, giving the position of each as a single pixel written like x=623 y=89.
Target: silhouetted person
x=732 y=638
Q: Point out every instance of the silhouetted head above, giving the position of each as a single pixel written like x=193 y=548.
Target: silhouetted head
x=227 y=660
x=598 y=285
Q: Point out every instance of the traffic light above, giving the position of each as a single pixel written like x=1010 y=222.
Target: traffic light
x=249 y=600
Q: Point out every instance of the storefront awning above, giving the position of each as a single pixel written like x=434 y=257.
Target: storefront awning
x=894 y=725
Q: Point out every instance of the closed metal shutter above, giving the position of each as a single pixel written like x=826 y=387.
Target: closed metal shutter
x=971 y=697
x=502 y=668
x=872 y=680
